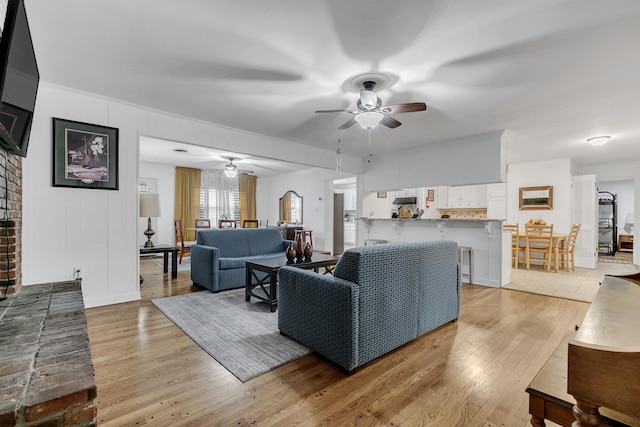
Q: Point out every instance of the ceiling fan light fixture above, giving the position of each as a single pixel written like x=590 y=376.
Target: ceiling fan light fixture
x=369 y=119
x=231 y=170
x=598 y=140
x=368 y=98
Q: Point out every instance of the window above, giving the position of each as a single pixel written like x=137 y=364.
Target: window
x=219 y=197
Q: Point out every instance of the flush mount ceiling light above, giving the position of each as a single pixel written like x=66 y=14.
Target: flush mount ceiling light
x=231 y=170
x=369 y=119
x=598 y=140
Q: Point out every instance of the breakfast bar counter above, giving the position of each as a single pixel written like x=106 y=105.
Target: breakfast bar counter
x=491 y=247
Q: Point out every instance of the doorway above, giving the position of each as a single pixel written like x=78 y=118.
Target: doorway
x=623 y=247
x=345 y=214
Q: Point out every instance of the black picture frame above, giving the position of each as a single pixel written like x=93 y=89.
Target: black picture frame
x=84 y=155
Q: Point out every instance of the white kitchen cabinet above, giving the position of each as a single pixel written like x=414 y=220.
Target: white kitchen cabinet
x=497 y=208
x=480 y=196
x=442 y=197
x=350 y=233
x=497 y=200
x=497 y=190
x=350 y=200
x=467 y=196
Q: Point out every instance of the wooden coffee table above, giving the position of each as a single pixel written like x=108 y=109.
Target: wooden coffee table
x=264 y=287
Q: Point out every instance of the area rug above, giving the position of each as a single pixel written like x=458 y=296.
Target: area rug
x=578 y=285
x=242 y=336
x=185 y=265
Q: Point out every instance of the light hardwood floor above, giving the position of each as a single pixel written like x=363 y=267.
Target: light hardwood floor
x=469 y=373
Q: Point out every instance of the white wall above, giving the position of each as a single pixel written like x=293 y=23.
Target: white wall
x=551 y=172
x=479 y=159
x=166 y=178
x=98 y=230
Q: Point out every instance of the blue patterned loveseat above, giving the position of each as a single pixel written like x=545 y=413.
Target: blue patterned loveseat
x=380 y=297
x=219 y=255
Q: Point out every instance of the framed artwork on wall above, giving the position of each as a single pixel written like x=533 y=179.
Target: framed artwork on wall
x=536 y=198
x=84 y=155
x=382 y=194
x=430 y=195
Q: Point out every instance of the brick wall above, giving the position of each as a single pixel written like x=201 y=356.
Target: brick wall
x=10 y=222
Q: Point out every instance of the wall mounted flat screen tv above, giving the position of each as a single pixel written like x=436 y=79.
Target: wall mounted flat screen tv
x=19 y=80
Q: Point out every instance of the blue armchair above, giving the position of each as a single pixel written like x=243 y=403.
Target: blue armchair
x=379 y=298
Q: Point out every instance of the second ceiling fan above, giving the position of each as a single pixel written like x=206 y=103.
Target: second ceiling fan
x=370 y=111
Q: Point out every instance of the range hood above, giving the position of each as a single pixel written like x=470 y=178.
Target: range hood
x=405 y=201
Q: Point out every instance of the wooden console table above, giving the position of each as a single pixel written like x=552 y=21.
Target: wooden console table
x=549 y=400
x=593 y=367
x=604 y=357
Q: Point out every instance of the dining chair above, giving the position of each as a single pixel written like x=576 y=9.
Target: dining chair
x=566 y=252
x=249 y=223
x=539 y=239
x=516 y=248
x=203 y=223
x=226 y=223
x=183 y=247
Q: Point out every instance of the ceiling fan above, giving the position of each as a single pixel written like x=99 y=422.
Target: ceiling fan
x=231 y=170
x=370 y=111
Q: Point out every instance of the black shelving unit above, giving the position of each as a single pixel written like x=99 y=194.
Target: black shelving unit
x=607 y=227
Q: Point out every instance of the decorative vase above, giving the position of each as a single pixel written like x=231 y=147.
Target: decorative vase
x=290 y=252
x=308 y=250
x=299 y=250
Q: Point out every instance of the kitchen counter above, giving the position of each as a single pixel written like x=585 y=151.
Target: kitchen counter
x=431 y=219
x=490 y=245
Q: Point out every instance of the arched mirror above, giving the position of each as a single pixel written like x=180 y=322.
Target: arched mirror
x=291 y=208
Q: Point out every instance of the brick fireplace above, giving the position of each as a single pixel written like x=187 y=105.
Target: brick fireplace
x=10 y=223
x=47 y=377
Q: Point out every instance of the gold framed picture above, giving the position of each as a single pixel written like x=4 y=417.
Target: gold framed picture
x=430 y=195
x=382 y=194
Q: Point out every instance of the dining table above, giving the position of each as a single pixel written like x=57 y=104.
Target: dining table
x=558 y=241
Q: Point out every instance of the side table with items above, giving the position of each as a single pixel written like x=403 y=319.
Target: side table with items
x=165 y=250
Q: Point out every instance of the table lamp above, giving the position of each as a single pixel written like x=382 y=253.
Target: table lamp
x=149 y=207
x=628 y=223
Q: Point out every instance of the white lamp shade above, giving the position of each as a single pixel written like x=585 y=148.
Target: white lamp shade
x=149 y=205
x=369 y=119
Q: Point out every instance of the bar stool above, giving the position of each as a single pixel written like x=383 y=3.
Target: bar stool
x=461 y=251
x=303 y=234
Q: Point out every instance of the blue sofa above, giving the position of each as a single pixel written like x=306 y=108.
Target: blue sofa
x=379 y=298
x=219 y=255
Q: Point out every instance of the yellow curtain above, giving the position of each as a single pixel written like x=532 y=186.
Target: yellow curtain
x=187 y=206
x=247 y=190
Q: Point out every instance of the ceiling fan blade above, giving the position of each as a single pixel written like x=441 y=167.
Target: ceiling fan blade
x=390 y=122
x=404 y=108
x=335 y=111
x=348 y=124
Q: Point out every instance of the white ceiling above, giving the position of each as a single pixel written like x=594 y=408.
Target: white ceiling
x=549 y=72
x=162 y=151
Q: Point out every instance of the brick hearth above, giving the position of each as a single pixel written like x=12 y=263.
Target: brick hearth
x=46 y=373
